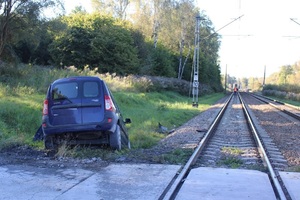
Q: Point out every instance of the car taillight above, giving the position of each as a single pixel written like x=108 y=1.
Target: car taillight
x=109 y=105
x=45 y=109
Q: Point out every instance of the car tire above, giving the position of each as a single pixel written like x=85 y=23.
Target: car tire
x=49 y=142
x=115 y=139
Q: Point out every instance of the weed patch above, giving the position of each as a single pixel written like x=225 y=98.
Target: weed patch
x=232 y=151
x=231 y=162
x=294 y=169
x=178 y=156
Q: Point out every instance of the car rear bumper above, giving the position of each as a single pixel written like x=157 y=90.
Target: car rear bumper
x=58 y=130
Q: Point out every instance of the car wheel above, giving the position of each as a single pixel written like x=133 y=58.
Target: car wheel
x=115 y=139
x=49 y=142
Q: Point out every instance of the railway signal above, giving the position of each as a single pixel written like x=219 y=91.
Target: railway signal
x=195 y=90
x=195 y=66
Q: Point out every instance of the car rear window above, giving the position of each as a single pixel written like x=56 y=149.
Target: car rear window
x=90 y=89
x=65 y=90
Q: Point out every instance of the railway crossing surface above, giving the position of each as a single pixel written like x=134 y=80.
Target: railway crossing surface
x=138 y=181
x=221 y=183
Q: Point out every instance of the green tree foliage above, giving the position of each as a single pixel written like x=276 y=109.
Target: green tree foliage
x=172 y=24
x=157 y=39
x=18 y=22
x=286 y=80
x=244 y=83
x=116 y=8
x=284 y=73
x=231 y=81
x=255 y=84
x=288 y=74
x=95 y=40
x=160 y=62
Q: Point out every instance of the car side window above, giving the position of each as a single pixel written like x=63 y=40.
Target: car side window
x=90 y=89
x=65 y=90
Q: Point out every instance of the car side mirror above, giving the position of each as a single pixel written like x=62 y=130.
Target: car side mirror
x=127 y=121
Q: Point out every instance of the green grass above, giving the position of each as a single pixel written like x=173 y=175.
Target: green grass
x=147 y=109
x=21 y=102
x=232 y=151
x=178 y=156
x=295 y=103
x=293 y=169
x=231 y=162
x=20 y=116
x=230 y=157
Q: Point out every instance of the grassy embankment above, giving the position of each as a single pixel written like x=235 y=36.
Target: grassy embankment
x=284 y=100
x=23 y=88
x=286 y=93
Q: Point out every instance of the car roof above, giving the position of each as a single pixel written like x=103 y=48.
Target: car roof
x=79 y=78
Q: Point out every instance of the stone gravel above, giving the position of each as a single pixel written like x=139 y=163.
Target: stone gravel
x=283 y=129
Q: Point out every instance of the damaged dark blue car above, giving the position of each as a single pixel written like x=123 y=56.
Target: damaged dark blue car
x=82 y=110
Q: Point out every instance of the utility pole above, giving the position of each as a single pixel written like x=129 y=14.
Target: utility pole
x=264 y=81
x=195 y=91
x=225 y=84
x=195 y=68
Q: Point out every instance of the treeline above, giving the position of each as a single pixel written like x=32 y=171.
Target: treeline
x=125 y=37
x=285 y=83
x=286 y=80
x=288 y=75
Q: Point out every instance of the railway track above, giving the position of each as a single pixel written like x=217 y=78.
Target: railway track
x=291 y=110
x=236 y=140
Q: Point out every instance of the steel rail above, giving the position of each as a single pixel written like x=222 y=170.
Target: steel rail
x=276 y=101
x=259 y=97
x=169 y=194
x=263 y=153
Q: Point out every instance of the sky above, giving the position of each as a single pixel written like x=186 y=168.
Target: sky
x=260 y=38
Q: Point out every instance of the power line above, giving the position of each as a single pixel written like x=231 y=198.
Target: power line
x=215 y=32
x=237 y=35
x=229 y=23
x=294 y=21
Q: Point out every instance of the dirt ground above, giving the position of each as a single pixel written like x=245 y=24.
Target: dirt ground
x=27 y=156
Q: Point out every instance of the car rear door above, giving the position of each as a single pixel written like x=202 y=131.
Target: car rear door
x=92 y=101
x=65 y=104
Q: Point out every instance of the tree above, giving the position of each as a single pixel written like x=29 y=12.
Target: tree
x=285 y=71
x=157 y=39
x=244 y=83
x=172 y=25
x=98 y=41
x=17 y=16
x=161 y=63
x=255 y=83
x=115 y=8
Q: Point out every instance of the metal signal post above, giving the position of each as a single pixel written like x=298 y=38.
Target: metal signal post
x=195 y=90
x=195 y=66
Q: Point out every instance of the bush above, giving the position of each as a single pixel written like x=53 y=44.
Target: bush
x=284 y=88
x=282 y=94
